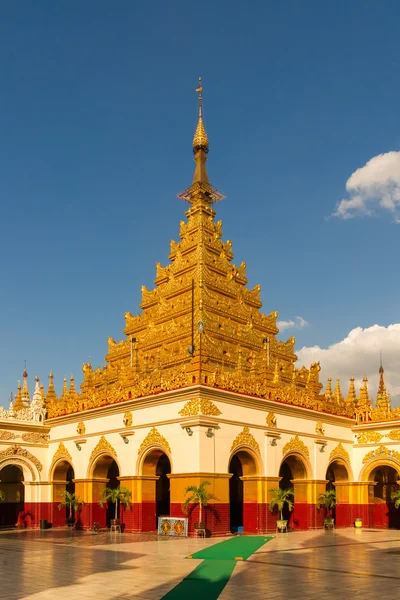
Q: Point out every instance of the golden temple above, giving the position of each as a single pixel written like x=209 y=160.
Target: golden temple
x=202 y=325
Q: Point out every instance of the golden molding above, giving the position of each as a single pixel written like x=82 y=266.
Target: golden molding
x=36 y=438
x=200 y=406
x=103 y=447
x=61 y=452
x=18 y=451
x=319 y=428
x=7 y=435
x=394 y=435
x=295 y=445
x=245 y=438
x=339 y=452
x=369 y=436
x=381 y=451
x=154 y=438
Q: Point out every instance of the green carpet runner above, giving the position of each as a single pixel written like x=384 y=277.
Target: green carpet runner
x=209 y=578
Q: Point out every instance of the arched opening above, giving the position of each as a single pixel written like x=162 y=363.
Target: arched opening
x=156 y=488
x=383 y=481
x=293 y=474
x=105 y=474
x=242 y=491
x=11 y=483
x=62 y=480
x=337 y=477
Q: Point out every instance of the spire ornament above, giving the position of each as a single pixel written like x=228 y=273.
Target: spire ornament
x=200 y=190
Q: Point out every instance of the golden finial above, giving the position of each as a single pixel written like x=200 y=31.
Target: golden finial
x=337 y=393
x=351 y=395
x=328 y=391
x=382 y=386
x=200 y=140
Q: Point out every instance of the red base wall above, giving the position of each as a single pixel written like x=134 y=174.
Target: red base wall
x=257 y=517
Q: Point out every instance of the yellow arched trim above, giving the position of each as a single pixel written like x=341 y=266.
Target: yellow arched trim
x=346 y=464
x=102 y=447
x=148 y=450
x=382 y=461
x=302 y=457
x=251 y=451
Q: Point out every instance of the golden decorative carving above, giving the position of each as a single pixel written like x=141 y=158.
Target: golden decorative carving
x=339 y=452
x=245 y=438
x=7 y=435
x=21 y=452
x=319 y=428
x=154 y=437
x=103 y=446
x=36 y=438
x=295 y=445
x=369 y=436
x=128 y=419
x=200 y=406
x=381 y=451
x=271 y=420
x=394 y=435
x=61 y=452
x=80 y=428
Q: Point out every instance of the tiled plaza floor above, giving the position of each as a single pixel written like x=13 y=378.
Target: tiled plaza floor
x=44 y=565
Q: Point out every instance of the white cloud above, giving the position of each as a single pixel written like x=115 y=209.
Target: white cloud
x=358 y=354
x=376 y=185
x=298 y=323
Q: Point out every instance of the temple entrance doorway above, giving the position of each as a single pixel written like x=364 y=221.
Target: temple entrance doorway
x=156 y=488
x=105 y=474
x=293 y=473
x=63 y=476
x=11 y=483
x=243 y=492
x=383 y=481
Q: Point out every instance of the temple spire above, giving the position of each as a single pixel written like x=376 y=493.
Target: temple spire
x=200 y=143
x=18 y=398
x=200 y=190
x=382 y=386
x=51 y=393
x=352 y=395
x=26 y=397
x=328 y=391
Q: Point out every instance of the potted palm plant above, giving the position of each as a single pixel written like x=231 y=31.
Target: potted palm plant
x=328 y=499
x=117 y=496
x=395 y=496
x=199 y=495
x=71 y=502
x=279 y=498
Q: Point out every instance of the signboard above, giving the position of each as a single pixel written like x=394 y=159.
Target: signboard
x=177 y=526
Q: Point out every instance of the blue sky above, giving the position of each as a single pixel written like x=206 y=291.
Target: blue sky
x=97 y=114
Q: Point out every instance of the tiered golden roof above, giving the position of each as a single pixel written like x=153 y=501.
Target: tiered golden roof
x=201 y=324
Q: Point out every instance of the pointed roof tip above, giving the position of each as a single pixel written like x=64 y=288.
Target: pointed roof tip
x=200 y=140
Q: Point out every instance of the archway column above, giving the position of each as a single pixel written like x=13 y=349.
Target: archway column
x=343 y=506
x=353 y=503
x=38 y=501
x=306 y=492
x=141 y=515
x=216 y=516
x=90 y=490
x=257 y=518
